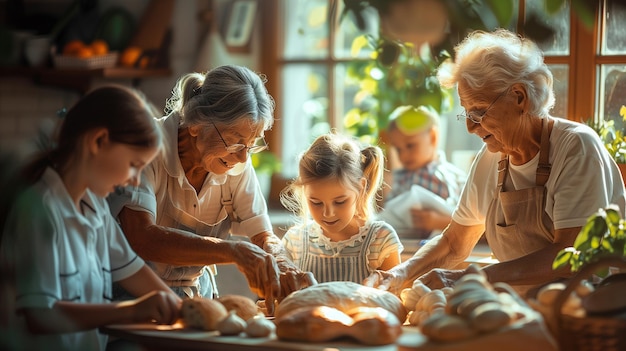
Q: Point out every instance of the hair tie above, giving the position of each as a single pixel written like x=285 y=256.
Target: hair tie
x=196 y=91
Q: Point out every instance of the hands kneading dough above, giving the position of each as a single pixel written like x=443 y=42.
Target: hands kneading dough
x=261 y=271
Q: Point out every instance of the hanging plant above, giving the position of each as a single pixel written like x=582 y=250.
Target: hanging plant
x=398 y=74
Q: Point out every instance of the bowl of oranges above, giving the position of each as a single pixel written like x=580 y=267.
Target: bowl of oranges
x=78 y=54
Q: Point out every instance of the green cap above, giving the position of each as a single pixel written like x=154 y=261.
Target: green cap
x=412 y=120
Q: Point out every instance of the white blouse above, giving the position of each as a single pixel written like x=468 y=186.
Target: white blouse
x=58 y=253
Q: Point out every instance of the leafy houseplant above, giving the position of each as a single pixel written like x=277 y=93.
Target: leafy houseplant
x=408 y=50
x=614 y=140
x=395 y=76
x=603 y=235
x=265 y=164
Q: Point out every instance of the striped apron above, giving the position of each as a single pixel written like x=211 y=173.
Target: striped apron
x=354 y=267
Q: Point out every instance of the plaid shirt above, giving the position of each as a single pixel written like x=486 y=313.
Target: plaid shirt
x=439 y=176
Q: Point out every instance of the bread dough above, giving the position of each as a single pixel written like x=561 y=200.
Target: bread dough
x=344 y=296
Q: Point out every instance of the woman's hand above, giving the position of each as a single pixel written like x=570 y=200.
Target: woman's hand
x=157 y=306
x=392 y=280
x=440 y=278
x=293 y=279
x=261 y=271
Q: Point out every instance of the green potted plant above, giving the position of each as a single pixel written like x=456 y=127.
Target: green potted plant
x=614 y=139
x=397 y=75
x=265 y=164
x=603 y=235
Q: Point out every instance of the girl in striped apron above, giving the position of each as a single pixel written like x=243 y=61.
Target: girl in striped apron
x=337 y=238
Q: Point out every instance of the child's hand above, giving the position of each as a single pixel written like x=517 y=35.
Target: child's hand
x=158 y=306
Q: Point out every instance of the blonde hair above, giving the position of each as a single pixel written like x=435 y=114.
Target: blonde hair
x=334 y=156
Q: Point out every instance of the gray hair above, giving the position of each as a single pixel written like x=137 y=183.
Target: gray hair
x=225 y=95
x=493 y=61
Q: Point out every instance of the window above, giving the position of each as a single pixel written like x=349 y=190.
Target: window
x=313 y=52
x=313 y=94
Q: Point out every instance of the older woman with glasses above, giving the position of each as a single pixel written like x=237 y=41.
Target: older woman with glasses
x=533 y=184
x=203 y=188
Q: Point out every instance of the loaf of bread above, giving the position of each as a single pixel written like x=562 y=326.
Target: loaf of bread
x=367 y=325
x=344 y=296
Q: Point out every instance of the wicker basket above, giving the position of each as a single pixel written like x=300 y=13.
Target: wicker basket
x=592 y=333
x=101 y=61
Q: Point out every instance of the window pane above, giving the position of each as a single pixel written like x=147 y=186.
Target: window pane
x=305 y=110
x=306 y=28
x=348 y=31
x=613 y=90
x=614 y=43
x=561 y=74
x=558 y=45
x=352 y=104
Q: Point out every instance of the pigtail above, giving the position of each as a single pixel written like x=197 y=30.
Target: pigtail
x=373 y=167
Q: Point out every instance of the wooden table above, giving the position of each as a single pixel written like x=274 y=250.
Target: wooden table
x=175 y=337
x=528 y=333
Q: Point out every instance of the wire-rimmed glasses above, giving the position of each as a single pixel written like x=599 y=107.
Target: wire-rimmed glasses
x=259 y=144
x=477 y=116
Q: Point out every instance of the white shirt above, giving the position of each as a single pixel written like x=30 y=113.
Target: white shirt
x=164 y=181
x=58 y=253
x=583 y=179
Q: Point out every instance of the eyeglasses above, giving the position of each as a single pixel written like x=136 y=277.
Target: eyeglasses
x=259 y=144
x=476 y=116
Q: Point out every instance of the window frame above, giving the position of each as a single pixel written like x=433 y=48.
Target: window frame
x=584 y=61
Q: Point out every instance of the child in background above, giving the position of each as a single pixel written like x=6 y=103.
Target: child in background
x=62 y=249
x=334 y=194
x=414 y=135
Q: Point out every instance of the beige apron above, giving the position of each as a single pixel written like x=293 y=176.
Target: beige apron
x=517 y=223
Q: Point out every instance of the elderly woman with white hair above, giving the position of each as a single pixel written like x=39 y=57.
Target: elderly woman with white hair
x=532 y=186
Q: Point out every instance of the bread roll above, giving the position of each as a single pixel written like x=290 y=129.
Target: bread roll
x=242 y=305
x=202 y=313
x=344 y=296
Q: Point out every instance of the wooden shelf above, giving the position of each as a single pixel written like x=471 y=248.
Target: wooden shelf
x=80 y=79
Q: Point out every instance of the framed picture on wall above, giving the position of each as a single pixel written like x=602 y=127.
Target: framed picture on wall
x=239 y=26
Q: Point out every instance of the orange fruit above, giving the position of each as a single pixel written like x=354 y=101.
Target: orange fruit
x=72 y=47
x=85 y=52
x=144 y=62
x=130 y=55
x=99 y=47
